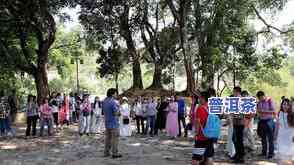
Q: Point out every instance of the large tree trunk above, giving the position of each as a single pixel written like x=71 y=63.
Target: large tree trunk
x=127 y=35
x=207 y=78
x=156 y=83
x=182 y=16
x=137 y=75
x=190 y=77
x=41 y=80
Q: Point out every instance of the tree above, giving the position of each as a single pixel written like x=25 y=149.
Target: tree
x=180 y=15
x=28 y=30
x=160 y=52
x=217 y=33
x=113 y=19
x=111 y=62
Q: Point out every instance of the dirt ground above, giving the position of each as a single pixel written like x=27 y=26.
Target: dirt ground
x=68 y=148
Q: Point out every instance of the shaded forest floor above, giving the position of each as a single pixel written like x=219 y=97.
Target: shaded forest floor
x=68 y=148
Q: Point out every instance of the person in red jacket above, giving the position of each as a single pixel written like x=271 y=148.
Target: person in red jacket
x=64 y=112
x=203 y=149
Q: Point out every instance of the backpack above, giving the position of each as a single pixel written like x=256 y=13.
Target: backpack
x=212 y=127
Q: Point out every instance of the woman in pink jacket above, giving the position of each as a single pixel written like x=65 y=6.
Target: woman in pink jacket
x=46 y=117
x=86 y=115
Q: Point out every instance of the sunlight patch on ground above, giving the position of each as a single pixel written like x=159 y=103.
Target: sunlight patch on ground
x=135 y=144
x=265 y=163
x=166 y=142
x=65 y=142
x=8 y=147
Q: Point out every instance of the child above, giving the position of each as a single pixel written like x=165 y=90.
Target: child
x=46 y=117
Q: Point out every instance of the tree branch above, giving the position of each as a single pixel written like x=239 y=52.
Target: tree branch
x=173 y=9
x=268 y=26
x=23 y=44
x=63 y=46
x=28 y=68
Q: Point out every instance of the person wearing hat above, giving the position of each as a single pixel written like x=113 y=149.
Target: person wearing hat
x=125 y=113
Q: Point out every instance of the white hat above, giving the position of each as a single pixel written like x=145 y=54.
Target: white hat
x=125 y=98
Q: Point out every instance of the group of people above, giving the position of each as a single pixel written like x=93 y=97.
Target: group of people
x=8 y=108
x=167 y=115
x=164 y=114
x=273 y=128
x=58 y=110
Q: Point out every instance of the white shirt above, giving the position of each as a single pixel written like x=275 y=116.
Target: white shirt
x=285 y=143
x=283 y=120
x=72 y=103
x=125 y=111
x=97 y=110
x=138 y=109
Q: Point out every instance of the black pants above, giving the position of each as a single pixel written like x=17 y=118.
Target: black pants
x=55 y=118
x=238 y=141
x=140 y=124
x=182 y=119
x=267 y=136
x=31 y=124
x=74 y=117
x=78 y=115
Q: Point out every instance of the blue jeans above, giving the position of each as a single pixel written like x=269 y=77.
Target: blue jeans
x=150 y=124
x=267 y=128
x=2 y=127
x=5 y=126
x=43 y=122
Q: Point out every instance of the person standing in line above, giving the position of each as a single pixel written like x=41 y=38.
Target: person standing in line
x=3 y=114
x=86 y=115
x=72 y=108
x=125 y=116
x=191 y=125
x=96 y=116
x=172 y=119
x=64 y=112
x=4 y=117
x=14 y=106
x=277 y=127
x=238 y=131
x=266 y=125
x=7 y=120
x=46 y=117
x=78 y=102
x=144 y=113
x=111 y=113
x=151 y=112
x=285 y=109
x=139 y=115
x=203 y=151
x=32 y=115
x=181 y=114
x=161 y=115
x=54 y=106
x=230 y=148
x=286 y=134
x=248 y=131
x=230 y=144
